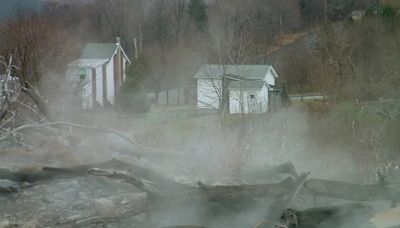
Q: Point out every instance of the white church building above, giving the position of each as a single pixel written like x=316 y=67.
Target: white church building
x=98 y=74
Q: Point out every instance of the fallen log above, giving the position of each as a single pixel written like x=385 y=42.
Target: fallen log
x=7 y=186
x=184 y=226
x=167 y=192
x=336 y=216
x=129 y=209
x=38 y=100
x=124 y=176
x=283 y=202
x=222 y=192
x=286 y=168
x=349 y=191
x=344 y=215
x=312 y=187
x=33 y=175
x=159 y=196
x=44 y=174
x=167 y=186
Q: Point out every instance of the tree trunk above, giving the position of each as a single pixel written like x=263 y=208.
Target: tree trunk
x=163 y=192
x=40 y=103
x=169 y=187
x=350 y=215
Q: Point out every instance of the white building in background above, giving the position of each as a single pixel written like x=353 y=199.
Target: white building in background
x=98 y=74
x=249 y=87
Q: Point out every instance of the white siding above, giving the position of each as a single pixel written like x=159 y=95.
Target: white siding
x=123 y=68
x=72 y=76
x=248 y=101
x=269 y=78
x=235 y=101
x=263 y=97
x=99 y=85
x=83 y=89
x=110 y=81
x=87 y=101
x=86 y=93
x=209 y=92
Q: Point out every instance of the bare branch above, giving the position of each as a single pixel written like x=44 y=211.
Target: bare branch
x=125 y=176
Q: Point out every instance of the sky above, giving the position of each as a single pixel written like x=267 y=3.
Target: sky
x=9 y=7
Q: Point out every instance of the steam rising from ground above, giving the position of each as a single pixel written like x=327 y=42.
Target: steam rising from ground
x=208 y=147
x=213 y=153
x=202 y=148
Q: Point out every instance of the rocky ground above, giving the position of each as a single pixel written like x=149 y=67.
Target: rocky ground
x=187 y=151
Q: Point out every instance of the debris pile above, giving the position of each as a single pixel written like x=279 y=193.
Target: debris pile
x=114 y=192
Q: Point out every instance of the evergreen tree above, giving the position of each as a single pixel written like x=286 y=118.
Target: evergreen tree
x=197 y=11
x=133 y=97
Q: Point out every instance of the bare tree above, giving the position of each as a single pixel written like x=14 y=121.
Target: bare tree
x=5 y=92
x=36 y=45
x=119 y=18
x=232 y=46
x=337 y=65
x=179 y=13
x=34 y=41
x=159 y=25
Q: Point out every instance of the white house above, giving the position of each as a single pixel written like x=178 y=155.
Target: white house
x=248 y=86
x=98 y=74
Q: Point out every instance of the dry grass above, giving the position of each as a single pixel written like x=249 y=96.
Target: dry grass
x=284 y=40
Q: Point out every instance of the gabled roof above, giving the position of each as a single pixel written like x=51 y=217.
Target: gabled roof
x=90 y=63
x=243 y=84
x=98 y=51
x=248 y=72
x=101 y=51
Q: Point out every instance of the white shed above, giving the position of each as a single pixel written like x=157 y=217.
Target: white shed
x=98 y=74
x=248 y=97
x=248 y=87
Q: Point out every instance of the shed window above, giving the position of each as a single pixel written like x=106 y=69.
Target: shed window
x=82 y=73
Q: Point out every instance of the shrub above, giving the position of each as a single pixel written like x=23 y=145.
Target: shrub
x=132 y=100
x=388 y=13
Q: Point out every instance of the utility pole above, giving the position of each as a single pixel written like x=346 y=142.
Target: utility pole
x=280 y=29
x=136 y=47
x=140 y=39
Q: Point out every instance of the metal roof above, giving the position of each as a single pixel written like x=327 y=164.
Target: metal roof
x=243 y=84
x=253 y=72
x=102 y=51
x=88 y=63
x=99 y=51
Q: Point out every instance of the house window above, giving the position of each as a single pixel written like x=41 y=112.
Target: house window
x=82 y=73
x=252 y=96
